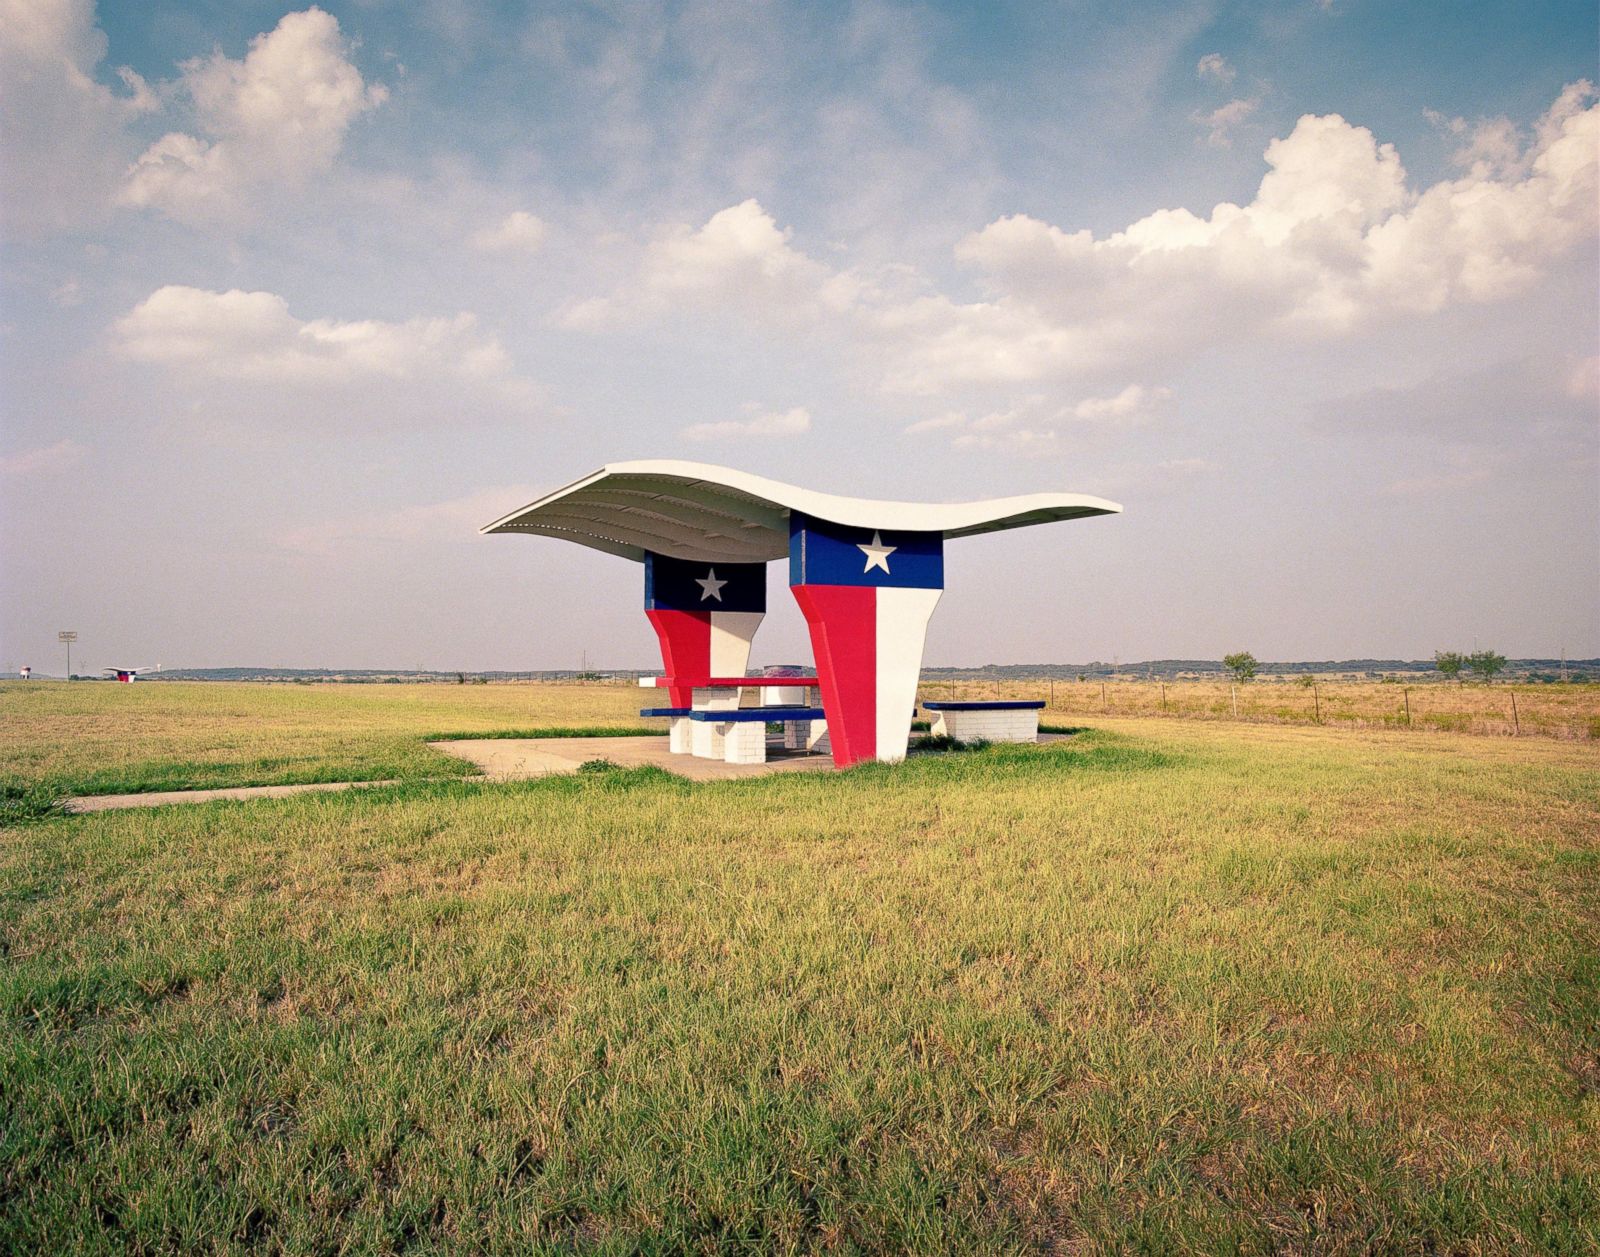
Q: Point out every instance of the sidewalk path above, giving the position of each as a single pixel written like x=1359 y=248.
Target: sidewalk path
x=503 y=759
x=159 y=798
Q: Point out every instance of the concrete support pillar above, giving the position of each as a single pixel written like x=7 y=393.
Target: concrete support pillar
x=704 y=615
x=867 y=595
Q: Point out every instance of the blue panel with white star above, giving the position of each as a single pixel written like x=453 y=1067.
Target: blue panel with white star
x=679 y=585
x=824 y=553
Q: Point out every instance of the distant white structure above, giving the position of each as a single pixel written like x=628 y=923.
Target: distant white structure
x=128 y=675
x=867 y=575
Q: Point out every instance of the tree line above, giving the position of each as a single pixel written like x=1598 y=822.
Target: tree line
x=1450 y=663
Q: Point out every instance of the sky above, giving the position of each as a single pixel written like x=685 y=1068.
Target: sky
x=293 y=300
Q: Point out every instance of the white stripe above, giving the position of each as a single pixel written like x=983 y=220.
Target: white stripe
x=731 y=633
x=903 y=616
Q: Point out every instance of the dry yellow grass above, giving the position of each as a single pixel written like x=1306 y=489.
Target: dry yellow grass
x=1164 y=986
x=1559 y=711
x=174 y=735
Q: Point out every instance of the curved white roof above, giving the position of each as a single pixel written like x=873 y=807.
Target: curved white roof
x=705 y=513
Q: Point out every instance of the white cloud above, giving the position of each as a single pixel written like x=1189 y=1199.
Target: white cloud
x=62 y=129
x=1437 y=482
x=1131 y=405
x=1038 y=421
x=270 y=121
x=938 y=423
x=1214 y=68
x=518 y=232
x=1583 y=381
x=740 y=259
x=456 y=519
x=43 y=460
x=1176 y=467
x=253 y=336
x=761 y=423
x=1221 y=122
x=1335 y=239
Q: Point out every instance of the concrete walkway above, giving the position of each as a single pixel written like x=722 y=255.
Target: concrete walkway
x=160 y=798
x=512 y=759
x=498 y=759
x=505 y=759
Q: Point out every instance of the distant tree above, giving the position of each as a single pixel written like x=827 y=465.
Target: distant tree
x=1308 y=680
x=1486 y=663
x=1243 y=665
x=1449 y=663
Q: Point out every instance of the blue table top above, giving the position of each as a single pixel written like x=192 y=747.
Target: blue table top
x=997 y=705
x=739 y=715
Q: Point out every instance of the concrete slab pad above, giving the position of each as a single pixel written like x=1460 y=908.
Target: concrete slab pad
x=510 y=759
x=159 y=798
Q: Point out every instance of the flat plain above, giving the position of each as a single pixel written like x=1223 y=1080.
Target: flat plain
x=1165 y=985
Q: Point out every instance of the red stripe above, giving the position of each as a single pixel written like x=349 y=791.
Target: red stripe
x=844 y=641
x=685 y=648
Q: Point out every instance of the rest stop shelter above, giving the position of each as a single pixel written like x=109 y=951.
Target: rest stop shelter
x=866 y=574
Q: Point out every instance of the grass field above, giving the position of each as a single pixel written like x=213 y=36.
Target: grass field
x=87 y=738
x=1501 y=709
x=109 y=739
x=1167 y=985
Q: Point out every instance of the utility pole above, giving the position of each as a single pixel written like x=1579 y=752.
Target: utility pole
x=68 y=636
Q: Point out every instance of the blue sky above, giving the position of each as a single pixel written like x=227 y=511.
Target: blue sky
x=295 y=298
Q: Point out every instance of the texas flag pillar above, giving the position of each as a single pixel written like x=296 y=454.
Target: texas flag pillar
x=705 y=615
x=866 y=595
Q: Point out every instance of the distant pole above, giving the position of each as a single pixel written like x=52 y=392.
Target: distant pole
x=1052 y=691
x=68 y=636
x=1104 y=705
x=1516 y=722
x=1408 y=706
x=1316 y=700
x=1163 y=696
x=1234 y=690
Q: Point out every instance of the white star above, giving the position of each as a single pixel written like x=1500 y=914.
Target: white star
x=877 y=555
x=711 y=587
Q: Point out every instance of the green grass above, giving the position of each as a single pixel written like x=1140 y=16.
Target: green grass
x=1159 y=987
x=85 y=738
x=549 y=731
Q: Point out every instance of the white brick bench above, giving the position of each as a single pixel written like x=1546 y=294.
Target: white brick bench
x=1002 y=721
x=739 y=736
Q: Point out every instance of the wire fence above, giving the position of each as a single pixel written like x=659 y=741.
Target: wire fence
x=1505 y=709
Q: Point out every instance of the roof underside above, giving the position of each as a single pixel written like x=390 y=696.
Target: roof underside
x=704 y=513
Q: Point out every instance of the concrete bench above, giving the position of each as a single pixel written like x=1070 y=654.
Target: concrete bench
x=1000 y=721
x=739 y=735
x=722 y=694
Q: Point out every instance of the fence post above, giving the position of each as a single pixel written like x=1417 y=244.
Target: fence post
x=1104 y=706
x=1316 y=701
x=1516 y=722
x=1163 y=696
x=1408 y=706
x=1052 y=691
x=1234 y=690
